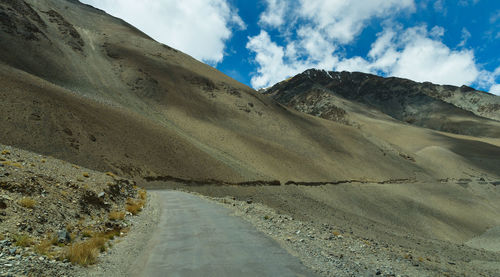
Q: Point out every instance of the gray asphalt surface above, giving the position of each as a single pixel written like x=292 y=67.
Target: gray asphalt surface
x=196 y=237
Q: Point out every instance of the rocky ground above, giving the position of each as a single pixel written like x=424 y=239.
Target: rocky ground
x=332 y=250
x=124 y=255
x=55 y=216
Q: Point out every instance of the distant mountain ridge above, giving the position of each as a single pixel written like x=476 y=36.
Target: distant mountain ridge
x=460 y=110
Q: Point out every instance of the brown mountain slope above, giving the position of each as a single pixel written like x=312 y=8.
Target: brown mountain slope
x=87 y=87
x=443 y=108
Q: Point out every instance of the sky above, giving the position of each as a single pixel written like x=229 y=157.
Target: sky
x=262 y=42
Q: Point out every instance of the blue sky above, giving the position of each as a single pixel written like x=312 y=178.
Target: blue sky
x=262 y=42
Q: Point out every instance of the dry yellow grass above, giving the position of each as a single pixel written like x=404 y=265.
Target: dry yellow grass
x=86 y=252
x=110 y=174
x=116 y=215
x=110 y=235
x=87 y=233
x=11 y=163
x=43 y=246
x=86 y=174
x=27 y=202
x=134 y=206
x=5 y=152
x=23 y=240
x=142 y=194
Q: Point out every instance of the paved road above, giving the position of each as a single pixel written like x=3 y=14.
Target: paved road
x=196 y=237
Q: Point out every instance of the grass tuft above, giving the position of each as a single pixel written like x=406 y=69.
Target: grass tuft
x=134 y=206
x=142 y=194
x=110 y=174
x=87 y=233
x=116 y=215
x=43 y=246
x=85 y=253
x=11 y=163
x=27 y=202
x=86 y=174
x=23 y=240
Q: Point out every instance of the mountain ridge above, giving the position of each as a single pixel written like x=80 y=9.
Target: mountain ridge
x=421 y=104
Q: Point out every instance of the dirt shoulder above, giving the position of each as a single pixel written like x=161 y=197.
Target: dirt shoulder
x=125 y=253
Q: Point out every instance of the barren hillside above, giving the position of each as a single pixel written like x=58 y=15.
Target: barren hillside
x=86 y=87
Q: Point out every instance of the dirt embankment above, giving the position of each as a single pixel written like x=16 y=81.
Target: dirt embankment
x=54 y=214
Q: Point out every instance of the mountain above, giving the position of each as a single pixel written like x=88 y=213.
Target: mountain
x=89 y=88
x=459 y=110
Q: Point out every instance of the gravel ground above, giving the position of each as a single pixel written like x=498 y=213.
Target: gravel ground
x=331 y=250
x=48 y=205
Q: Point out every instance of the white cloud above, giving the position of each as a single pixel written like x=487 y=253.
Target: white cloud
x=495 y=16
x=439 y=6
x=425 y=59
x=465 y=37
x=487 y=79
x=198 y=27
x=466 y=3
x=275 y=62
x=274 y=15
x=416 y=54
x=495 y=89
x=342 y=20
x=437 y=32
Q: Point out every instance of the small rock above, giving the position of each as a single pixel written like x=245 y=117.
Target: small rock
x=13 y=250
x=249 y=201
x=101 y=194
x=63 y=236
